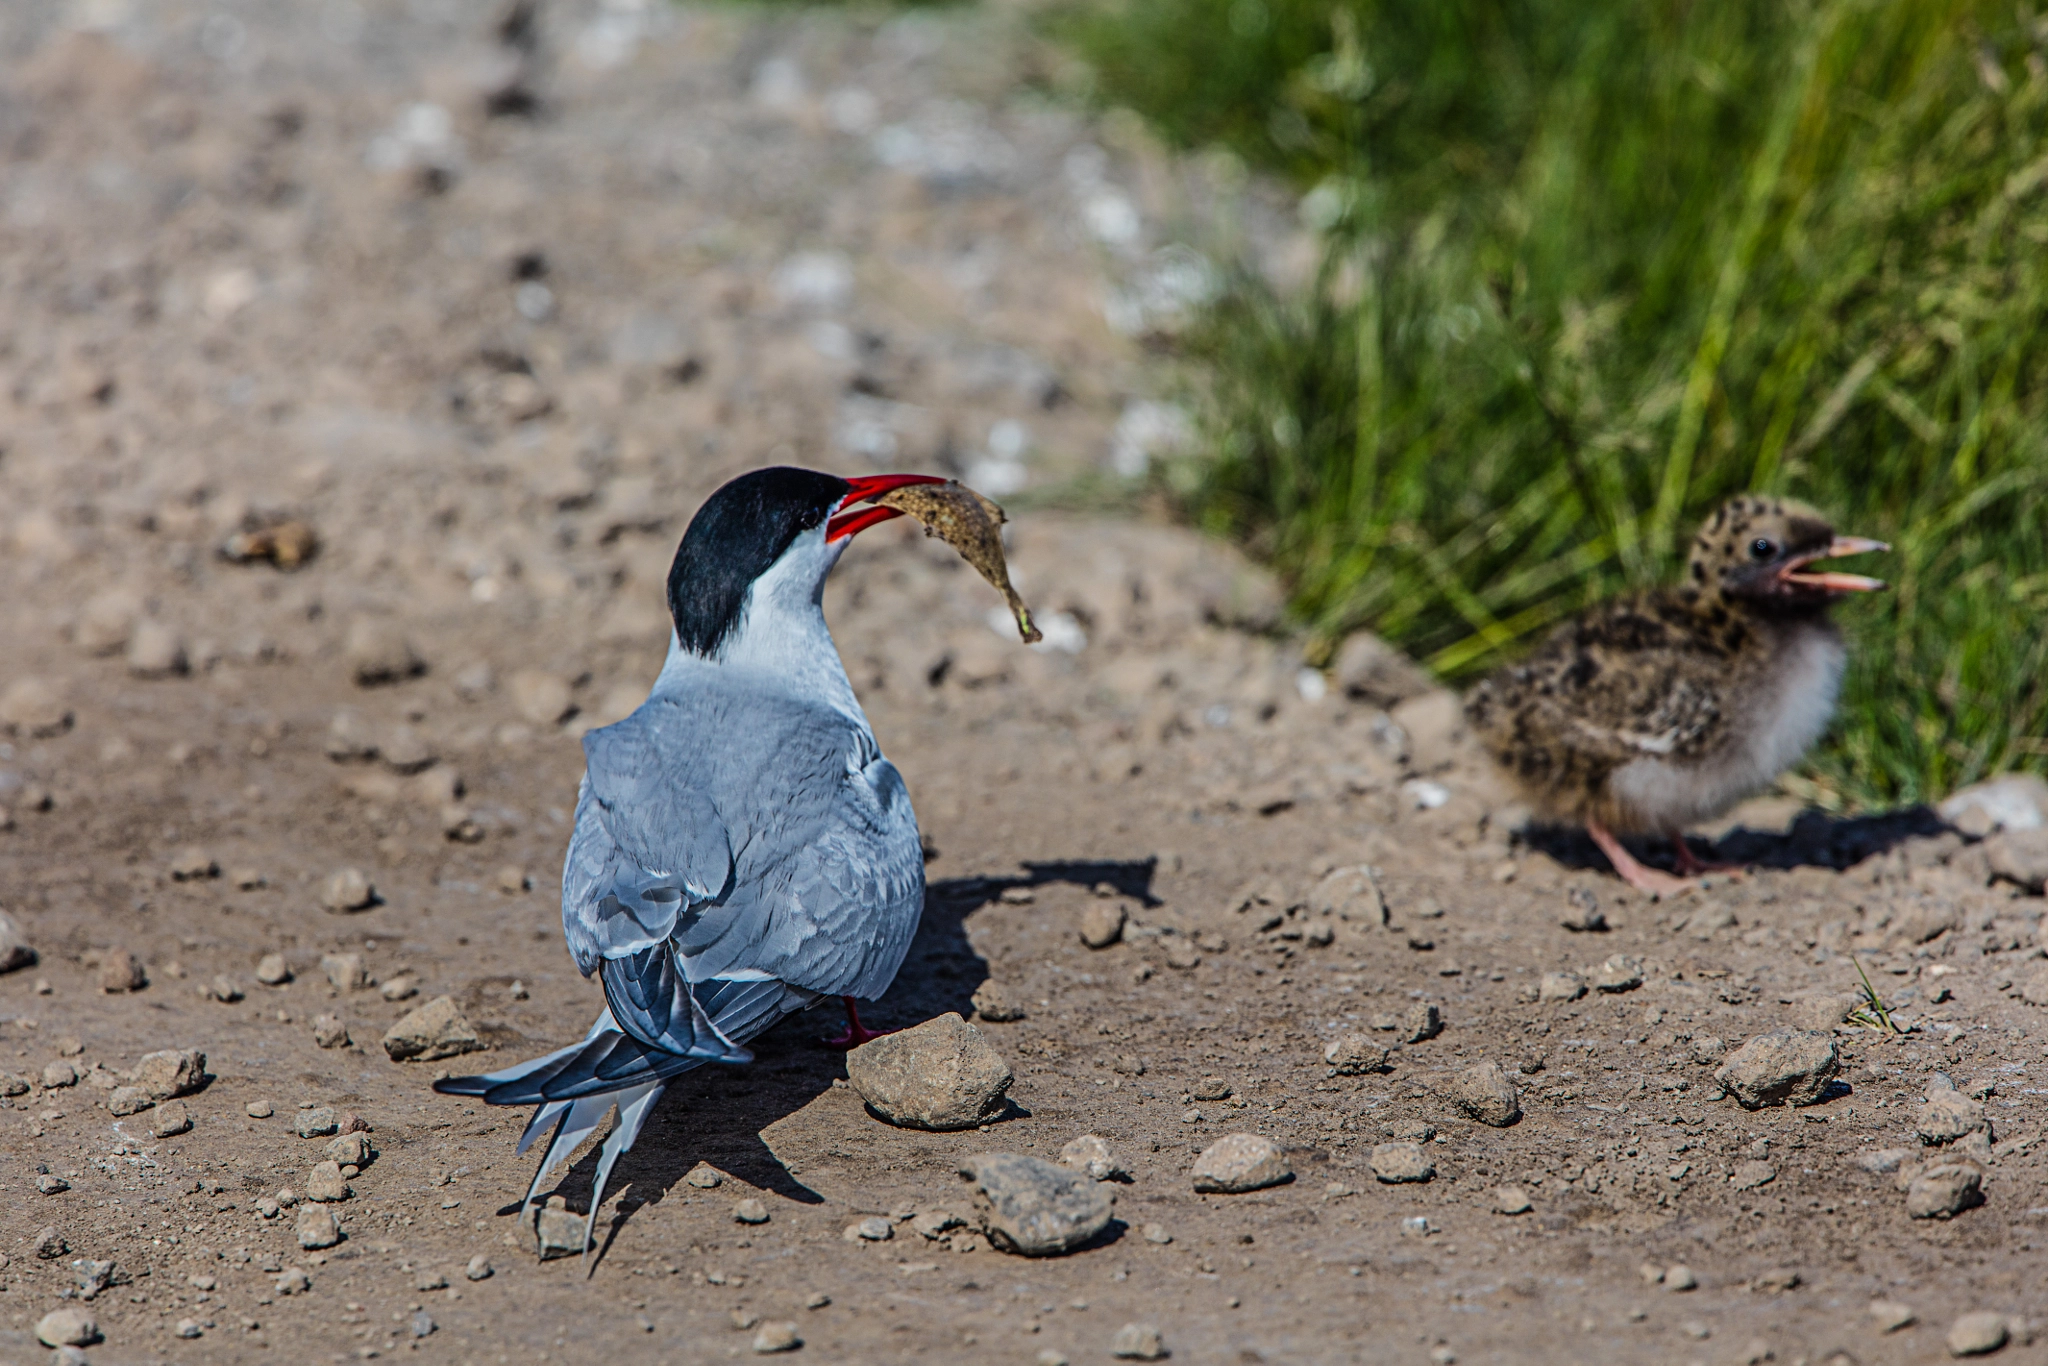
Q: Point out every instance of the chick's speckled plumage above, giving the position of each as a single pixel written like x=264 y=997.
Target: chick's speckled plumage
x=1660 y=709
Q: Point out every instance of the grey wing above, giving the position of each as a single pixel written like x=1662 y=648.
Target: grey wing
x=833 y=889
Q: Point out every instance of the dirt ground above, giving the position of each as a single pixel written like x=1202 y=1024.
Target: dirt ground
x=491 y=311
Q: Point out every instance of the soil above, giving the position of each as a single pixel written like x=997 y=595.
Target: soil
x=250 y=277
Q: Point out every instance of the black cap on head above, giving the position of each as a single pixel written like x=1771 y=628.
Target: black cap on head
x=741 y=530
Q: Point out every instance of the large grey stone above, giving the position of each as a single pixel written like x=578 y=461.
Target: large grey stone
x=1029 y=1206
x=939 y=1075
x=1783 y=1067
x=1240 y=1162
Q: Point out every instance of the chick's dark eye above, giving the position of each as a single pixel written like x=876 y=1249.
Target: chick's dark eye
x=1761 y=549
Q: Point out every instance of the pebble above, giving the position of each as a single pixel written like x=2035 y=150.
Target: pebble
x=273 y=971
x=873 y=1229
x=1102 y=924
x=348 y=889
x=435 y=1030
x=479 y=1268
x=52 y=1185
x=316 y=1227
x=1240 y=1162
x=1212 y=1088
x=1485 y=1093
x=58 y=1074
x=1582 y=912
x=403 y=987
x=120 y=971
x=34 y=708
x=1420 y=1022
x=542 y=699
x=750 y=1211
x=1510 y=1200
x=293 y=1281
x=50 y=1245
x=1680 y=1277
x=13 y=1084
x=188 y=1328
x=1560 y=986
x=429 y=1280
x=315 y=1121
x=1972 y=1335
x=222 y=989
x=1890 y=1316
x=1090 y=1155
x=67 y=1328
x=1944 y=1191
x=939 y=1075
x=405 y=750
x=1180 y=954
x=1138 y=1342
x=193 y=864
x=287 y=545
x=170 y=1119
x=1354 y=1055
x=128 y=1100
x=351 y=1150
x=156 y=650
x=2020 y=857
x=258 y=1109
x=1395 y=1163
x=422 y=1324
x=937 y=1223
x=329 y=1031
x=1353 y=895
x=1157 y=1233
x=1782 y=1067
x=1946 y=1115
x=1751 y=1174
x=345 y=971
x=324 y=1183
x=171 y=1072
x=995 y=1005
x=1031 y=1207
x=705 y=1177
x=15 y=950
x=776 y=1337
x=1619 y=973
x=378 y=652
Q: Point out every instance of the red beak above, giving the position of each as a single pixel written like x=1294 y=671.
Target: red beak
x=864 y=487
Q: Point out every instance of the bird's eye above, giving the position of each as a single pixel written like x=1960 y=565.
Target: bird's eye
x=1761 y=549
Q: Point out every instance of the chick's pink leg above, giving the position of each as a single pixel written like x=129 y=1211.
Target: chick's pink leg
x=1691 y=866
x=1633 y=873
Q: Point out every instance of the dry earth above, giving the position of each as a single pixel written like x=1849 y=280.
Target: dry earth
x=266 y=261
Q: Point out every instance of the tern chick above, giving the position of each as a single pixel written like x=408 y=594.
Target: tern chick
x=741 y=847
x=1655 y=711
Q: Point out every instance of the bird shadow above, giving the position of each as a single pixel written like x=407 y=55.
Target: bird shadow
x=716 y=1115
x=1814 y=840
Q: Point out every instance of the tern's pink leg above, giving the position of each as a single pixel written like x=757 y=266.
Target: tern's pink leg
x=856 y=1033
x=1632 y=872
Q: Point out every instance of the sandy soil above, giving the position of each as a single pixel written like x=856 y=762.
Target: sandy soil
x=251 y=273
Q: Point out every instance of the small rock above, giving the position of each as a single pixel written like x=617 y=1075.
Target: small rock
x=171 y=1072
x=995 y=1005
x=479 y=1268
x=937 y=1223
x=406 y=750
x=351 y=1150
x=437 y=1030
x=129 y=1100
x=67 y=1328
x=939 y=1075
x=1944 y=1191
x=288 y=545
x=705 y=1177
x=1157 y=1233
x=15 y=950
x=52 y=1185
x=1560 y=986
x=1749 y=1175
x=1138 y=1342
x=543 y=699
x=1211 y=1088
x=1890 y=1316
x=50 y=1245
x=222 y=989
x=345 y=971
x=1680 y=1278
x=314 y=1122
x=403 y=987
x=316 y=1227
x=324 y=1183
x=2014 y=801
x=2020 y=857
x=188 y=1328
x=1354 y=1055
x=1179 y=953
x=1090 y=1155
x=1708 y=1049
x=1352 y=895
x=33 y=708
x=258 y=1109
x=349 y=889
x=58 y=1074
x=1946 y=1115
x=1582 y=913
x=873 y=1229
x=1369 y=669
x=776 y=1337
x=1395 y=1163
x=1619 y=973
x=273 y=971
x=1783 y=1067
x=2034 y=986
x=378 y=652
x=1510 y=1199
x=1031 y=1207
x=1240 y=1162
x=1420 y=1022
x=750 y=1211
x=294 y=1280
x=156 y=650
x=121 y=971
x=422 y=1324
x=13 y=1084
x=1485 y=1093
x=1102 y=924
x=329 y=1031
x=171 y=1118
x=1972 y=1335
x=247 y=879
x=193 y=864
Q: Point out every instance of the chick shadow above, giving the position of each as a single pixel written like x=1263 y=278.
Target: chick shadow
x=1814 y=840
x=717 y=1114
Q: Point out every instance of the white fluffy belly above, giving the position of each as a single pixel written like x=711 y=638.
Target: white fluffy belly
x=1769 y=727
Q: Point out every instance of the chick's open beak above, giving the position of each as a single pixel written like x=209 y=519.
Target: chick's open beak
x=866 y=486
x=1829 y=581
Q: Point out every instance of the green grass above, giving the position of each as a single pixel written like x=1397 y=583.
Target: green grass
x=1594 y=265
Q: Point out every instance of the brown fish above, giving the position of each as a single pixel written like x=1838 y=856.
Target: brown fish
x=972 y=525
